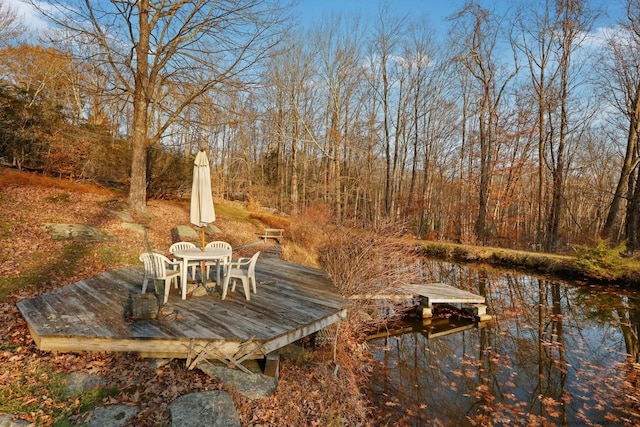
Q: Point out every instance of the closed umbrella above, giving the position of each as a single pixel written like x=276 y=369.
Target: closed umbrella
x=202 y=211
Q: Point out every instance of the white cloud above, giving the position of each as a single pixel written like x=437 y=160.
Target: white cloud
x=598 y=38
x=31 y=17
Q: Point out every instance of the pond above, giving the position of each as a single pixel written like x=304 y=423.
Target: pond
x=555 y=353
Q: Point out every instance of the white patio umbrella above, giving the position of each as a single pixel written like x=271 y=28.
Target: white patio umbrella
x=202 y=211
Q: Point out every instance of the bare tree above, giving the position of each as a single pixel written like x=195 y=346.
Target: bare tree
x=479 y=32
x=339 y=68
x=150 y=46
x=536 y=41
x=291 y=95
x=11 y=25
x=574 y=20
x=387 y=36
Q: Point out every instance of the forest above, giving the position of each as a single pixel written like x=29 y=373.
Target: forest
x=517 y=129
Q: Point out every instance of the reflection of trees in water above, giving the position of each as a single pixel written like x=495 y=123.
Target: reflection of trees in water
x=630 y=324
x=415 y=380
x=544 y=357
x=616 y=306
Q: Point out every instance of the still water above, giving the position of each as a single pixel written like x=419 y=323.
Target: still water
x=555 y=353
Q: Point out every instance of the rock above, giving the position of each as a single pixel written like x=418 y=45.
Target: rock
x=112 y=415
x=211 y=229
x=158 y=363
x=77 y=382
x=255 y=385
x=206 y=409
x=8 y=421
x=125 y=216
x=79 y=232
x=184 y=233
x=199 y=291
x=138 y=228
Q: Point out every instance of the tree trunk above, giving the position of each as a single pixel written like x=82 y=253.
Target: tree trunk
x=627 y=166
x=633 y=214
x=139 y=141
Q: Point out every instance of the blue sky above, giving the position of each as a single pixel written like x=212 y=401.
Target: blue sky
x=435 y=10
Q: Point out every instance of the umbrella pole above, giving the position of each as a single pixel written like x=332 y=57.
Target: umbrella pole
x=203 y=268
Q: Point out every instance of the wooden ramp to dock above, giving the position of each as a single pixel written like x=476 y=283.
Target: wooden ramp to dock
x=94 y=315
x=435 y=293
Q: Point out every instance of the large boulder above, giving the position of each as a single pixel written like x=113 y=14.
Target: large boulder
x=79 y=232
x=253 y=385
x=206 y=409
x=211 y=230
x=184 y=233
x=112 y=415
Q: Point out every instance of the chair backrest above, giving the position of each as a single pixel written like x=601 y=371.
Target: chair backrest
x=178 y=246
x=252 y=264
x=219 y=244
x=155 y=265
x=223 y=245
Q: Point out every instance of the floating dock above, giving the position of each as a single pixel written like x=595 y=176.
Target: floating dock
x=435 y=293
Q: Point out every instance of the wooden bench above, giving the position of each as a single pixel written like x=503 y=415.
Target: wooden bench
x=273 y=233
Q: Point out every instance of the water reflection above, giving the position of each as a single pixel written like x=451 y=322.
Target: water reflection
x=555 y=354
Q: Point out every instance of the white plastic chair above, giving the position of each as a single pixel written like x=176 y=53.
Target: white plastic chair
x=159 y=267
x=246 y=275
x=225 y=262
x=178 y=246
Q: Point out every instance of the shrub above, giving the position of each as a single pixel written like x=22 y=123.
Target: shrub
x=600 y=261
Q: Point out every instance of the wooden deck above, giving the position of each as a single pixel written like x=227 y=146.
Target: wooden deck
x=93 y=315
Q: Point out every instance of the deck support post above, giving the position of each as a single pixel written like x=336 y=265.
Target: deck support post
x=425 y=308
x=272 y=364
x=478 y=310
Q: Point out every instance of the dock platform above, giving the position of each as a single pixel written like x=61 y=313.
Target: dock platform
x=435 y=293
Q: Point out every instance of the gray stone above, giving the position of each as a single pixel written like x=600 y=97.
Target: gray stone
x=138 y=228
x=254 y=385
x=8 y=421
x=112 y=415
x=199 y=291
x=77 y=382
x=211 y=229
x=184 y=233
x=125 y=216
x=79 y=232
x=206 y=409
x=158 y=363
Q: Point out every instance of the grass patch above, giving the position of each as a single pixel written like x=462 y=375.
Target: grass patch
x=41 y=268
x=15 y=177
x=270 y=220
x=114 y=255
x=11 y=284
x=39 y=391
x=229 y=210
x=63 y=198
x=599 y=263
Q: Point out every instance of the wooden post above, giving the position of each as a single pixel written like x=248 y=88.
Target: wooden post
x=425 y=308
x=272 y=364
x=478 y=310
